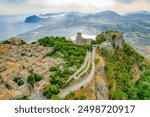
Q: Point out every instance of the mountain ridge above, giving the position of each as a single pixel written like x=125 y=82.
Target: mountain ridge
x=136 y=29
x=103 y=14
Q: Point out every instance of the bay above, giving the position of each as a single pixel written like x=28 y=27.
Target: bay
x=12 y=25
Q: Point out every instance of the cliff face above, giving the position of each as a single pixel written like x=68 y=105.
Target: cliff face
x=101 y=82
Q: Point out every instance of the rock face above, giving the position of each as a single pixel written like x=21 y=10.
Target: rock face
x=116 y=38
x=101 y=69
x=101 y=91
x=107 y=46
x=33 y=19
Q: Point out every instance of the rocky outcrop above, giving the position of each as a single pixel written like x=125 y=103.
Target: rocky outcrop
x=101 y=91
x=113 y=37
x=100 y=69
x=107 y=46
x=33 y=19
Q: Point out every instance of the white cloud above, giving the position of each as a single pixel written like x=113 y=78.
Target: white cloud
x=126 y=1
x=137 y=5
x=44 y=6
x=100 y=3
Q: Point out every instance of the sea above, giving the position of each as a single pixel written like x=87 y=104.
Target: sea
x=12 y=25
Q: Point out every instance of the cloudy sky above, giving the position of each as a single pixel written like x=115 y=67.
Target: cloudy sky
x=46 y=6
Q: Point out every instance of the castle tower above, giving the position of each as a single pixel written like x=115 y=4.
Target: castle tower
x=81 y=41
x=79 y=35
x=79 y=38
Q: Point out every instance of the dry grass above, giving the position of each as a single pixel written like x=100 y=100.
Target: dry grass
x=136 y=73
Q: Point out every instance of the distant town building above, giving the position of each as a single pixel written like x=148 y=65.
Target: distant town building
x=19 y=62
x=39 y=86
x=5 y=96
x=15 y=41
x=82 y=41
x=9 y=70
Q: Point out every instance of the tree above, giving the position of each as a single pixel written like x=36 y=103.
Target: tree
x=118 y=95
x=73 y=54
x=100 y=38
x=119 y=65
x=96 y=60
x=51 y=90
x=23 y=42
x=19 y=81
x=82 y=96
x=143 y=86
x=55 y=97
x=32 y=78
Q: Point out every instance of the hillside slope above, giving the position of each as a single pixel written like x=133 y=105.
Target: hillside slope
x=121 y=71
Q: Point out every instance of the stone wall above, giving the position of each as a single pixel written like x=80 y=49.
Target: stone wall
x=81 y=41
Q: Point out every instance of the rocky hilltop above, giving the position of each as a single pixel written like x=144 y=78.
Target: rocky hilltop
x=33 y=19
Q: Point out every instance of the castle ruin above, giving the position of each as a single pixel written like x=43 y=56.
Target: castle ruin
x=82 y=41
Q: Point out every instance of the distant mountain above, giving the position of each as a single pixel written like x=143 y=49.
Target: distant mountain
x=106 y=14
x=88 y=17
x=103 y=16
x=33 y=19
x=68 y=23
x=142 y=15
x=73 y=16
x=136 y=26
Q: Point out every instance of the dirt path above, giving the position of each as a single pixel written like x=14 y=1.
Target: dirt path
x=136 y=73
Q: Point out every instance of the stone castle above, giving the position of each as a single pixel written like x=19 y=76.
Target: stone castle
x=116 y=38
x=81 y=41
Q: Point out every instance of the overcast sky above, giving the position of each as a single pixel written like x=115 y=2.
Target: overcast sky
x=47 y=6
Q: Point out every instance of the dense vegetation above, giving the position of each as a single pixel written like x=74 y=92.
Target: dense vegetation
x=99 y=39
x=6 y=42
x=9 y=42
x=33 y=78
x=119 y=72
x=73 y=54
x=143 y=86
x=73 y=96
x=51 y=91
x=59 y=77
x=19 y=81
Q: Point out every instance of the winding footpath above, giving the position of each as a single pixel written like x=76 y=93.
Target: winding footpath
x=84 y=70
x=83 y=82
x=81 y=68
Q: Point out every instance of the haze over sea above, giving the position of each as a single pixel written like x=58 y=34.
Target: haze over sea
x=12 y=25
